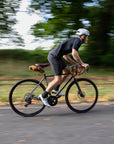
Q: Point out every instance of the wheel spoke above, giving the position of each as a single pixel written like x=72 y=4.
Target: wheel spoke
x=23 y=101
x=84 y=100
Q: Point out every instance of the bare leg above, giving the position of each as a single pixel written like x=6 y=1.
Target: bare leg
x=65 y=70
x=54 y=83
x=57 y=81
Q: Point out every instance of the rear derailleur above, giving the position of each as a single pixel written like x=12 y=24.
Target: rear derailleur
x=28 y=99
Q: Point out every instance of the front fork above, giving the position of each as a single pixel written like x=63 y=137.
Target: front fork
x=80 y=92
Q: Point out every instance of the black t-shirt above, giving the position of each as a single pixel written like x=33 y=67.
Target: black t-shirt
x=66 y=47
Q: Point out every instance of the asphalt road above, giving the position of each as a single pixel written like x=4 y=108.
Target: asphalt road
x=59 y=125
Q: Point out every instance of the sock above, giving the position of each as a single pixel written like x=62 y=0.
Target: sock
x=45 y=94
x=57 y=88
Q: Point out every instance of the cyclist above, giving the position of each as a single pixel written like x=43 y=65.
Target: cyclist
x=58 y=65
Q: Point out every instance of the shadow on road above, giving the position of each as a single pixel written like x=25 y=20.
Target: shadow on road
x=59 y=111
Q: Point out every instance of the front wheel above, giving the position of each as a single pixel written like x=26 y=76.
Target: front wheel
x=23 y=97
x=84 y=99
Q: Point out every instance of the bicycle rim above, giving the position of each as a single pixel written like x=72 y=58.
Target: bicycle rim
x=19 y=97
x=85 y=101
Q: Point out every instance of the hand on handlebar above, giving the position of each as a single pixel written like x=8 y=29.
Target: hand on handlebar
x=82 y=68
x=85 y=65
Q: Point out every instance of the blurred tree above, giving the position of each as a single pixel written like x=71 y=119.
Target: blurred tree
x=8 y=35
x=63 y=17
x=102 y=33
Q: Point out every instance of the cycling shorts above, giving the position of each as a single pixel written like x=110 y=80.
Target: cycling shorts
x=57 y=64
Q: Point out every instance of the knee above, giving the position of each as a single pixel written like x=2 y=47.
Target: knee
x=58 y=80
x=66 y=70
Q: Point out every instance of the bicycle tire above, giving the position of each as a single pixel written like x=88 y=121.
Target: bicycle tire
x=20 y=92
x=75 y=101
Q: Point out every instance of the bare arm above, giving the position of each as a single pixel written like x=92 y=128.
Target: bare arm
x=69 y=59
x=78 y=59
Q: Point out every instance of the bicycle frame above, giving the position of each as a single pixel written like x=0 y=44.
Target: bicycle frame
x=78 y=101
x=57 y=95
x=77 y=96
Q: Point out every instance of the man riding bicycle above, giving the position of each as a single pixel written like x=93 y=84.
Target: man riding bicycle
x=58 y=65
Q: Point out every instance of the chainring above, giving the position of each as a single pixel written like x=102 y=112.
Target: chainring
x=52 y=100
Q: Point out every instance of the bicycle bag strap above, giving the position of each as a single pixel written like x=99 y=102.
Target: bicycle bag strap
x=76 y=70
x=73 y=70
x=36 y=68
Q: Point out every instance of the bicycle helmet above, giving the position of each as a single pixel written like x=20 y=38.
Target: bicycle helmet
x=82 y=31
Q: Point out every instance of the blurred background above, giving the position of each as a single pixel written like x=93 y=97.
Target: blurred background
x=29 y=29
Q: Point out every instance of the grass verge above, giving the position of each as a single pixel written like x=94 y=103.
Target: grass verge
x=103 y=77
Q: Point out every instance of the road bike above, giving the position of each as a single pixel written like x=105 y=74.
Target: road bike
x=81 y=93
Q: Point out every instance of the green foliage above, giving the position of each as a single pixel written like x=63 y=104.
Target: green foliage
x=33 y=56
x=39 y=55
x=6 y=11
x=100 y=46
x=107 y=60
x=8 y=35
x=61 y=20
x=64 y=17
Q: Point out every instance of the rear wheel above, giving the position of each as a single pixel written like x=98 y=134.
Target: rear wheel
x=23 y=97
x=84 y=100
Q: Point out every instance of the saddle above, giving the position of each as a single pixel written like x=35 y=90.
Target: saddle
x=38 y=67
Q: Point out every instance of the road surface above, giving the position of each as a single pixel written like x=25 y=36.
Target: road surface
x=59 y=125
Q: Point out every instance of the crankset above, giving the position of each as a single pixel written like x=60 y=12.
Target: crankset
x=52 y=100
